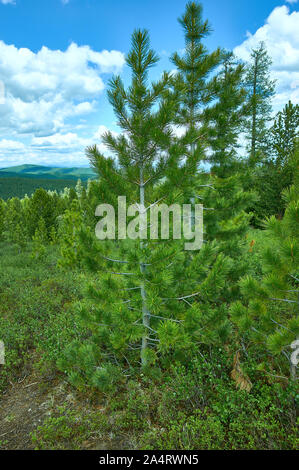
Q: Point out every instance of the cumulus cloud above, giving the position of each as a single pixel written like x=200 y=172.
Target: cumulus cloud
x=46 y=98
x=11 y=146
x=63 y=149
x=66 y=149
x=99 y=133
x=44 y=89
x=280 y=33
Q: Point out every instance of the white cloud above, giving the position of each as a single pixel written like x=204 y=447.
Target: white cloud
x=48 y=98
x=99 y=133
x=281 y=36
x=62 y=141
x=11 y=146
x=288 y=1
x=44 y=89
x=66 y=149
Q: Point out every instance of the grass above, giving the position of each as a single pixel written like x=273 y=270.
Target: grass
x=33 y=295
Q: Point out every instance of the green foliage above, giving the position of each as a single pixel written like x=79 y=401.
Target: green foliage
x=195 y=67
x=154 y=410
x=206 y=326
x=40 y=239
x=34 y=310
x=284 y=134
x=2 y=217
x=146 y=157
x=69 y=228
x=68 y=429
x=78 y=361
x=54 y=239
x=226 y=116
x=207 y=414
x=154 y=302
x=41 y=206
x=277 y=172
x=271 y=312
x=13 y=218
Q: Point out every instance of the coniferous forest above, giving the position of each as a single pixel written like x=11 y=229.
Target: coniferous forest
x=141 y=344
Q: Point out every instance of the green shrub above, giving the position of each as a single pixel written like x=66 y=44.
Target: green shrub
x=69 y=429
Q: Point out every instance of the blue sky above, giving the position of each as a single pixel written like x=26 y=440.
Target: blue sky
x=56 y=57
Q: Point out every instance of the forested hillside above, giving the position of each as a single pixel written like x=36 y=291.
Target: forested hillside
x=136 y=340
x=39 y=171
x=20 y=186
x=20 y=180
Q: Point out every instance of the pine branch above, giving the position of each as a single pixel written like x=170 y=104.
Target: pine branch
x=164 y=318
x=182 y=298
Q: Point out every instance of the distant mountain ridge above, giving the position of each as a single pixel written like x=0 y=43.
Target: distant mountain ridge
x=48 y=172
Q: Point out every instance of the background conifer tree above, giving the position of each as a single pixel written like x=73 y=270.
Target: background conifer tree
x=2 y=217
x=284 y=133
x=13 y=217
x=79 y=188
x=69 y=228
x=41 y=205
x=260 y=89
x=19 y=237
x=40 y=239
x=277 y=171
x=270 y=313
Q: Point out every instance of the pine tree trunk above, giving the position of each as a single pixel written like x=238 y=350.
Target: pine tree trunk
x=293 y=371
x=192 y=200
x=253 y=130
x=145 y=312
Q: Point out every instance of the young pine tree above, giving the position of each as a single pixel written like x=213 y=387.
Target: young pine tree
x=79 y=189
x=53 y=236
x=40 y=239
x=72 y=195
x=68 y=236
x=150 y=300
x=193 y=80
x=276 y=173
x=284 y=133
x=260 y=89
x=19 y=237
x=41 y=205
x=14 y=217
x=214 y=127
